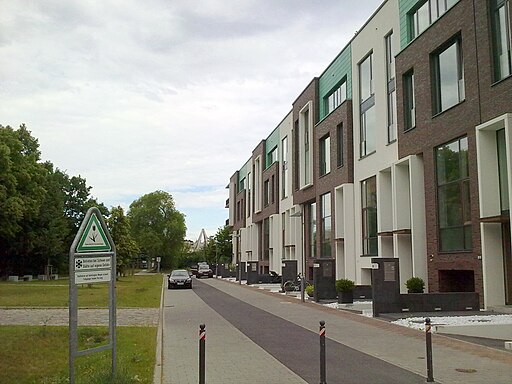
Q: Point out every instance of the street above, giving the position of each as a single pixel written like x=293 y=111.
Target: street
x=257 y=337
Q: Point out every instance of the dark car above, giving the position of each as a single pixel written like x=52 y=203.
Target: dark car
x=204 y=270
x=179 y=278
x=193 y=269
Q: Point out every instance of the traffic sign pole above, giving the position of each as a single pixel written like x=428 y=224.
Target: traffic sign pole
x=92 y=259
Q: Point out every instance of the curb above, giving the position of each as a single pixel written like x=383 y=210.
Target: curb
x=159 y=367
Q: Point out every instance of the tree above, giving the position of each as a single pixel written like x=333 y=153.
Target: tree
x=41 y=207
x=219 y=247
x=126 y=246
x=158 y=227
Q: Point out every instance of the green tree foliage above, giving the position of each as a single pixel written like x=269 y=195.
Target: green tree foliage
x=219 y=247
x=127 y=248
x=158 y=227
x=40 y=206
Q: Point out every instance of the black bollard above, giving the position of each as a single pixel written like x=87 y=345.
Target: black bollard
x=202 y=353
x=428 y=341
x=322 y=352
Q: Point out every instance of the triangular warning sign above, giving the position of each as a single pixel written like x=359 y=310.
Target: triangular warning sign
x=93 y=238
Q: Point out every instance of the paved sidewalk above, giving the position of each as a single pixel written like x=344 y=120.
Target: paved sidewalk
x=455 y=361
x=60 y=316
x=231 y=357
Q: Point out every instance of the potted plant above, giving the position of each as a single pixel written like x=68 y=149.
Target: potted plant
x=345 y=289
x=415 y=285
x=310 y=290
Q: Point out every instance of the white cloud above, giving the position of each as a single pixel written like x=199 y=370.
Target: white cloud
x=139 y=96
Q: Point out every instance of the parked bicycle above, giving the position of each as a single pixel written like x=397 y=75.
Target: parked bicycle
x=294 y=285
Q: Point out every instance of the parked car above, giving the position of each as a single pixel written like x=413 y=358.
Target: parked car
x=179 y=278
x=204 y=270
x=193 y=269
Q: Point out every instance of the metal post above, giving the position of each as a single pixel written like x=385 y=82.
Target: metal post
x=202 y=353
x=302 y=287
x=428 y=340
x=322 y=353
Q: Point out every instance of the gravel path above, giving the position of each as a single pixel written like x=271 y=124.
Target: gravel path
x=59 y=316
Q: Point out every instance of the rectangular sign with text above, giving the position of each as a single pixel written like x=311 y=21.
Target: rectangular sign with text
x=87 y=263
x=91 y=277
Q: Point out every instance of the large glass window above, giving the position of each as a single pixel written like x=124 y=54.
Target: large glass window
x=390 y=70
x=501 y=38
x=337 y=97
x=409 y=101
x=448 y=79
x=326 y=226
x=307 y=176
x=427 y=13
x=369 y=216
x=325 y=155
x=453 y=196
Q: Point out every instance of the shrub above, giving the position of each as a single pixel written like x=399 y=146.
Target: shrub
x=310 y=290
x=344 y=285
x=415 y=285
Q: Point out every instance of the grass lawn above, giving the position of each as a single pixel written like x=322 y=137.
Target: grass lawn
x=141 y=291
x=31 y=355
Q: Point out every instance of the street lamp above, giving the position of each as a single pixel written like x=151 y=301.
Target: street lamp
x=302 y=282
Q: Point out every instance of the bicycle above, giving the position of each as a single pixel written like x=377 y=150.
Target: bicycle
x=294 y=285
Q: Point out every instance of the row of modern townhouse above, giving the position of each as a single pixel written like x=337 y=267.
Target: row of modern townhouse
x=400 y=148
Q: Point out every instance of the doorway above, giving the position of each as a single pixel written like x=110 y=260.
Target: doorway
x=507 y=261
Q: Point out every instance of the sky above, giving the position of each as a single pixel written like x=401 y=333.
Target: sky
x=172 y=95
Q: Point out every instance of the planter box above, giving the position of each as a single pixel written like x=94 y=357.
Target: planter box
x=345 y=297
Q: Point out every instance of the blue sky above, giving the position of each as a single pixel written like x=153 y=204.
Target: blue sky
x=138 y=96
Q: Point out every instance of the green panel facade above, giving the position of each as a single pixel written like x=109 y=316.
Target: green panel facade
x=331 y=78
x=404 y=8
x=242 y=174
x=271 y=143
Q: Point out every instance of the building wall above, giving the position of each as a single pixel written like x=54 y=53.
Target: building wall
x=432 y=130
x=370 y=39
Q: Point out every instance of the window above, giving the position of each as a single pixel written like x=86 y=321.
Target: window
x=448 y=77
x=453 y=196
x=427 y=13
x=249 y=201
x=284 y=166
x=365 y=78
x=312 y=230
x=390 y=70
x=272 y=189
x=326 y=226
x=369 y=216
x=266 y=239
x=325 y=155
x=501 y=39
x=241 y=185
x=367 y=135
x=367 y=104
x=503 y=170
x=337 y=97
x=339 y=145
x=306 y=147
x=272 y=157
x=266 y=193
x=409 y=102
